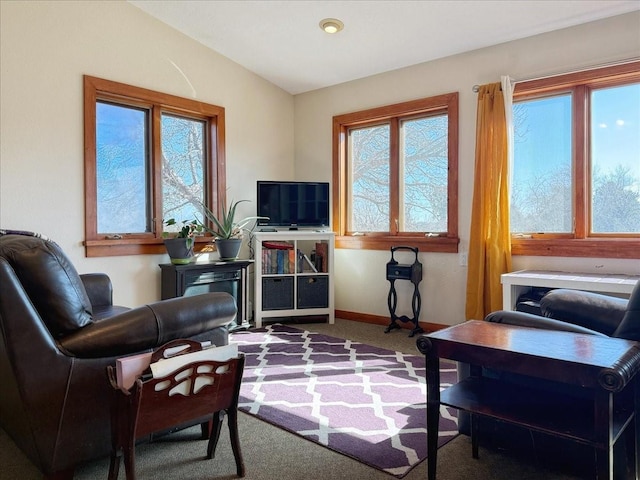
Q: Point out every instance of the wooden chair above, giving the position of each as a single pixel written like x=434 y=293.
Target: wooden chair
x=193 y=391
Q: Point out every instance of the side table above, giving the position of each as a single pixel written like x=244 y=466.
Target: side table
x=602 y=370
x=413 y=273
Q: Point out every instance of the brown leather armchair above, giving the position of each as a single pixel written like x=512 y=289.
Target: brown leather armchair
x=59 y=331
x=581 y=312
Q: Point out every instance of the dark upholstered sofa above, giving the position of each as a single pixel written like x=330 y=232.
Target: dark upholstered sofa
x=59 y=331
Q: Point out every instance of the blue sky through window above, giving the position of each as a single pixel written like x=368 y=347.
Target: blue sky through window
x=542 y=188
x=121 y=150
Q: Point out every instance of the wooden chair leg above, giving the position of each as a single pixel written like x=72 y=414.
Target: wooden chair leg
x=205 y=428
x=214 y=436
x=61 y=475
x=235 y=440
x=114 y=466
x=130 y=461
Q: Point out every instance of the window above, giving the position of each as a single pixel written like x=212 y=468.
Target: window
x=395 y=177
x=148 y=157
x=576 y=176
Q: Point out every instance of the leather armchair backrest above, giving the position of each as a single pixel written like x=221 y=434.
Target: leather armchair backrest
x=629 y=327
x=595 y=311
x=51 y=281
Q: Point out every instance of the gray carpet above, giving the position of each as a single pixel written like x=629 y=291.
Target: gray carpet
x=271 y=453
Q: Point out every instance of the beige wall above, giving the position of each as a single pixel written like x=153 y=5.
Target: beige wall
x=361 y=284
x=45 y=48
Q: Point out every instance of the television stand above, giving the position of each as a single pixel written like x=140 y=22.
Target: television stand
x=289 y=280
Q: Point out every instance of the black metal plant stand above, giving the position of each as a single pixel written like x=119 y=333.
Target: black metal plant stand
x=412 y=272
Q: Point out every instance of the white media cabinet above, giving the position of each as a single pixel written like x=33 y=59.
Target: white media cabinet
x=288 y=286
x=516 y=283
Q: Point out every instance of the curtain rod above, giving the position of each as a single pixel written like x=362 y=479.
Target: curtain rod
x=476 y=88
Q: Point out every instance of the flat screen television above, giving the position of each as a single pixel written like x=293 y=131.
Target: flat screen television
x=293 y=204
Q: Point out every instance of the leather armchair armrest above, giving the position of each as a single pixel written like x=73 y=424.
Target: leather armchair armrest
x=99 y=289
x=523 y=319
x=151 y=326
x=595 y=311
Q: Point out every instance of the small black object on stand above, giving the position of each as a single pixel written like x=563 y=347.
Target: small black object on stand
x=412 y=272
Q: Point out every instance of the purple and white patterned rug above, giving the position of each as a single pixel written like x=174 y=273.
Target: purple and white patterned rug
x=365 y=402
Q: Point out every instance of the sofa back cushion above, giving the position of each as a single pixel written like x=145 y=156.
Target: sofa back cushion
x=50 y=280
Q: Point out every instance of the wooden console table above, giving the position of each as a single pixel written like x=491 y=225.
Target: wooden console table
x=600 y=370
x=516 y=283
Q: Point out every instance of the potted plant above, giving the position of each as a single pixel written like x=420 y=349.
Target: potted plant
x=227 y=231
x=179 y=244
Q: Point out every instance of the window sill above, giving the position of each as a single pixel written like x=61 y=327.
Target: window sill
x=364 y=242
x=604 y=248
x=132 y=246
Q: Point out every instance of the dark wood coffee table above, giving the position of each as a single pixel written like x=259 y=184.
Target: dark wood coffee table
x=599 y=398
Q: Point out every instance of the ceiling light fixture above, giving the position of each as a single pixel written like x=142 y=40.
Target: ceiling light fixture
x=331 y=25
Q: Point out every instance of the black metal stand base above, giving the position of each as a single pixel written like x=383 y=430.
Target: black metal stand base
x=412 y=272
x=394 y=326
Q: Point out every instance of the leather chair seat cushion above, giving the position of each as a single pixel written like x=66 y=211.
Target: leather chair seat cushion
x=51 y=281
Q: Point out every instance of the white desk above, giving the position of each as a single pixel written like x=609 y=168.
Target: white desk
x=516 y=283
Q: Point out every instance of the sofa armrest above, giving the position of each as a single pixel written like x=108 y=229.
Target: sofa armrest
x=99 y=289
x=151 y=326
x=523 y=319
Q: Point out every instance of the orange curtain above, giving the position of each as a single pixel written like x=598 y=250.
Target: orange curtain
x=490 y=238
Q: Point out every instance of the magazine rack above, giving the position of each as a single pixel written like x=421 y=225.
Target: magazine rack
x=192 y=391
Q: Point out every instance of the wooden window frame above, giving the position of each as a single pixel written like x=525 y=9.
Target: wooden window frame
x=445 y=243
x=580 y=243
x=96 y=89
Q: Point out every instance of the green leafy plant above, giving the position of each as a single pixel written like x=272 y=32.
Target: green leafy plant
x=226 y=226
x=187 y=229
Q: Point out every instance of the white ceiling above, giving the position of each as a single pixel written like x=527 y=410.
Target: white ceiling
x=282 y=42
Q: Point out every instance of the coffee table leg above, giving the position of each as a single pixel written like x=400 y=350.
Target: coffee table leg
x=603 y=405
x=433 y=412
x=475 y=371
x=637 y=424
x=475 y=430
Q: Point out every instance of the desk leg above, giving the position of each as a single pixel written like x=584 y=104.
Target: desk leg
x=433 y=411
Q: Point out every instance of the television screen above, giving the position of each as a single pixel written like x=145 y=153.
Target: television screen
x=293 y=204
